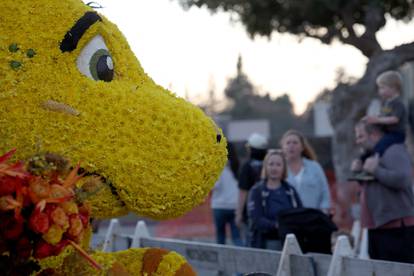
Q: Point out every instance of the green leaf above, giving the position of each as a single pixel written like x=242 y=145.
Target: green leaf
x=30 y=53
x=13 y=47
x=15 y=64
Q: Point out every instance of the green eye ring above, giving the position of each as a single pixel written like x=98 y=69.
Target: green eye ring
x=101 y=65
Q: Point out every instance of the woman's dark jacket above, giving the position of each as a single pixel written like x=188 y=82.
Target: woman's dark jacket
x=263 y=206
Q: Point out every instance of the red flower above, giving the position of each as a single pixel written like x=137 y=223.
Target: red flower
x=8 y=185
x=39 y=214
x=39 y=222
x=43 y=250
x=11 y=228
x=24 y=248
x=60 y=246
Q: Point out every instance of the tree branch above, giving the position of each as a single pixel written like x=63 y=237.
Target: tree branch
x=374 y=19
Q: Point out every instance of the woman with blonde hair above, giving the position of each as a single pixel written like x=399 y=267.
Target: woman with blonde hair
x=267 y=199
x=304 y=172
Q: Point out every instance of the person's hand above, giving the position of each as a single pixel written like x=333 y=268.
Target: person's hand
x=356 y=165
x=370 y=119
x=371 y=164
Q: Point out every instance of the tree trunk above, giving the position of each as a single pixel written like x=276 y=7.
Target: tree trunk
x=350 y=103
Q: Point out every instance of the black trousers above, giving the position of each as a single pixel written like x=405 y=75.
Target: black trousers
x=394 y=244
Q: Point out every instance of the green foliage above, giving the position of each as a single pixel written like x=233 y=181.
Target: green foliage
x=321 y=19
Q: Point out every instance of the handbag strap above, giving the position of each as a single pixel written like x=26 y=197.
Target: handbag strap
x=291 y=194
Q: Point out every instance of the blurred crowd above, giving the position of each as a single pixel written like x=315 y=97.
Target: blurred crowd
x=284 y=190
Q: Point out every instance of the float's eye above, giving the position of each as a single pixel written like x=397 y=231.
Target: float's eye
x=95 y=61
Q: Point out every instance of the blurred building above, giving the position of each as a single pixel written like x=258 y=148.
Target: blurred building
x=240 y=130
x=321 y=122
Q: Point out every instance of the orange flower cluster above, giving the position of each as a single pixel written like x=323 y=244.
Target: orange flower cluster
x=38 y=209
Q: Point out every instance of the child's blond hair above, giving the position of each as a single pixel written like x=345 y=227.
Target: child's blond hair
x=391 y=79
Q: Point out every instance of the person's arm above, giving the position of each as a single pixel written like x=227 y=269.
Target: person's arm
x=325 y=202
x=256 y=211
x=381 y=120
x=244 y=186
x=240 y=207
x=394 y=170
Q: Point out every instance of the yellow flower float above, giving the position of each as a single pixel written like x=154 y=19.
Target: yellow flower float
x=70 y=85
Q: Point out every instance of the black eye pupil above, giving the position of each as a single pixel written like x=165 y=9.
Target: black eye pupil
x=104 y=68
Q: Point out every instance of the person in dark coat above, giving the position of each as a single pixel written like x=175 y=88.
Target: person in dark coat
x=266 y=199
x=250 y=173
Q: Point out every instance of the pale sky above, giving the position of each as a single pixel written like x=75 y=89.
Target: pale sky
x=186 y=51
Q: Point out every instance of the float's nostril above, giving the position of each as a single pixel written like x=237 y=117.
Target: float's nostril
x=218 y=138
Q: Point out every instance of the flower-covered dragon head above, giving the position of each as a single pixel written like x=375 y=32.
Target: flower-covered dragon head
x=70 y=84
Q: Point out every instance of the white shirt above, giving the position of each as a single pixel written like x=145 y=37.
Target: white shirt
x=225 y=191
x=298 y=178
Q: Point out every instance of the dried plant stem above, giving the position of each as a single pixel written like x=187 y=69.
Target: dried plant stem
x=85 y=255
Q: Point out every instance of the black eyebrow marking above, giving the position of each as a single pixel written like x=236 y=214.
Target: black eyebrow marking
x=72 y=37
